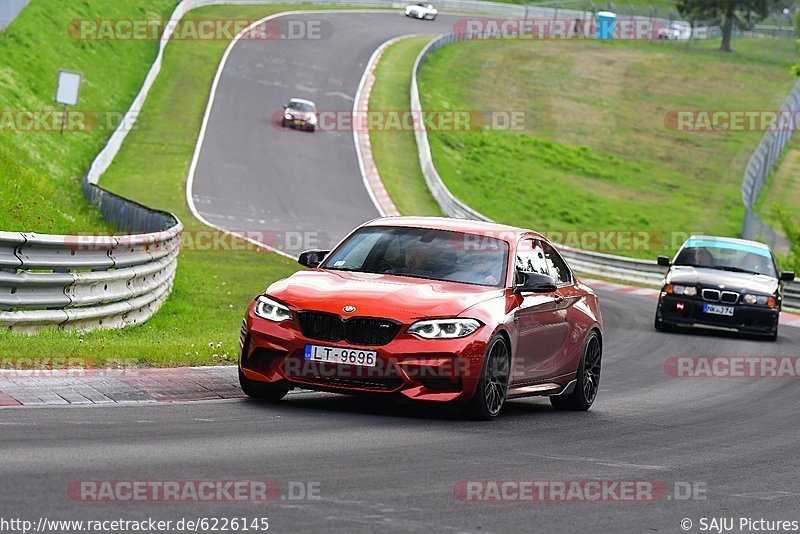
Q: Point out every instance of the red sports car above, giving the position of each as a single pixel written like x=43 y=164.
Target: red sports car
x=435 y=309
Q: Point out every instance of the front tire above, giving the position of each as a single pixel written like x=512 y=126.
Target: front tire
x=661 y=326
x=587 y=376
x=490 y=395
x=773 y=336
x=261 y=391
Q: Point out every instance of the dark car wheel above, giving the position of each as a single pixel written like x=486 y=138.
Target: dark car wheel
x=773 y=336
x=588 y=378
x=257 y=390
x=661 y=326
x=490 y=394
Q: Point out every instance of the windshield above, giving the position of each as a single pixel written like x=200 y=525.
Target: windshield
x=423 y=253
x=300 y=106
x=727 y=256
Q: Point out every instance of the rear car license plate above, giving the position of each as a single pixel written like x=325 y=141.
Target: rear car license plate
x=716 y=309
x=319 y=353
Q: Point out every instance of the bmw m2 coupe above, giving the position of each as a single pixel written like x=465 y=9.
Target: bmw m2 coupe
x=433 y=309
x=724 y=283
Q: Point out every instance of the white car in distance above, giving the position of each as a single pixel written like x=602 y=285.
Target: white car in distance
x=422 y=11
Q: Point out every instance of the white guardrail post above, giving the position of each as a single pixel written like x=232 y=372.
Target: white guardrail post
x=630 y=270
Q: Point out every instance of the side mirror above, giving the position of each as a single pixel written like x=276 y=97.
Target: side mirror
x=535 y=283
x=664 y=261
x=312 y=258
x=787 y=276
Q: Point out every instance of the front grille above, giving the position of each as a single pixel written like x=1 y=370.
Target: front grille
x=368 y=331
x=322 y=326
x=711 y=295
x=243 y=333
x=383 y=384
x=358 y=330
x=729 y=297
x=345 y=376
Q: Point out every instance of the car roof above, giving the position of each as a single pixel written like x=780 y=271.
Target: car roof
x=730 y=240
x=492 y=229
x=302 y=101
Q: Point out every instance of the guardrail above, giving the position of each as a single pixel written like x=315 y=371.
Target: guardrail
x=630 y=270
x=758 y=169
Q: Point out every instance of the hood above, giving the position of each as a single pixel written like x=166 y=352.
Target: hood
x=741 y=282
x=378 y=295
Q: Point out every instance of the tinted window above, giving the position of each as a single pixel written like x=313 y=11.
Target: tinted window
x=423 y=253
x=556 y=264
x=530 y=257
x=728 y=256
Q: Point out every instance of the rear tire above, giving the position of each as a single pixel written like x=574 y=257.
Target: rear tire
x=490 y=395
x=261 y=391
x=587 y=376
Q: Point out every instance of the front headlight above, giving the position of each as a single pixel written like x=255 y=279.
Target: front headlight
x=688 y=291
x=271 y=311
x=755 y=299
x=444 y=328
x=288 y=116
x=312 y=120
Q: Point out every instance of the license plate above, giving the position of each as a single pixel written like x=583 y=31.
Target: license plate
x=716 y=309
x=299 y=123
x=318 y=353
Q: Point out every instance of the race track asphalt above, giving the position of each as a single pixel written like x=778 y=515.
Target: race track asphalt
x=392 y=467
x=290 y=186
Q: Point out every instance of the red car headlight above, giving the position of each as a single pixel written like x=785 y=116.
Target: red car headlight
x=444 y=328
x=271 y=311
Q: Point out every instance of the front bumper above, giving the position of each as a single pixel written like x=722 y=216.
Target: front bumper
x=440 y=370
x=688 y=311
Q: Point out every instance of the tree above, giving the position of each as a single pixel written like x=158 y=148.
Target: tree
x=730 y=14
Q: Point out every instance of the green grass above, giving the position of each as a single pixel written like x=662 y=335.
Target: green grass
x=395 y=152
x=595 y=154
x=783 y=187
x=212 y=288
x=42 y=170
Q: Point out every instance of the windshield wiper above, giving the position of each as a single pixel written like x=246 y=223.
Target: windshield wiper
x=735 y=269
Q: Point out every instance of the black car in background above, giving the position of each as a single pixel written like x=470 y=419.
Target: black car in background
x=724 y=283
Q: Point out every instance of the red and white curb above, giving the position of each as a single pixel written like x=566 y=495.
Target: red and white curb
x=786 y=319
x=366 y=162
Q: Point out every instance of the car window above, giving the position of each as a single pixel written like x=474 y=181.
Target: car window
x=423 y=253
x=556 y=264
x=530 y=257
x=301 y=106
x=733 y=256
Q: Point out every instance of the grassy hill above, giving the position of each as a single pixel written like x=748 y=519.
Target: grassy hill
x=595 y=153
